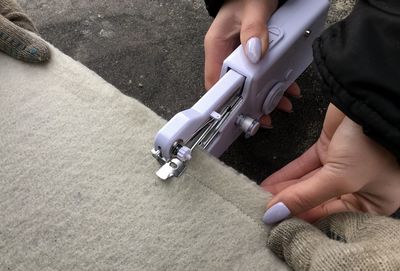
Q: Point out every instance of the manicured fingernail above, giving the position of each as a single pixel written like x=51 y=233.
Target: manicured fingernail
x=276 y=213
x=286 y=110
x=265 y=126
x=265 y=122
x=253 y=49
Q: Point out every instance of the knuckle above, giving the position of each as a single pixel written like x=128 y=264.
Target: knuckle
x=300 y=203
x=209 y=37
x=215 y=33
x=253 y=28
x=209 y=80
x=325 y=211
x=339 y=181
x=345 y=186
x=212 y=35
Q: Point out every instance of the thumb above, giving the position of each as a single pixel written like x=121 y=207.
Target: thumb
x=221 y=39
x=253 y=33
x=21 y=44
x=308 y=194
x=12 y=11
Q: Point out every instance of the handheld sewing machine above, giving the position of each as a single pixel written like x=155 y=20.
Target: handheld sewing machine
x=245 y=91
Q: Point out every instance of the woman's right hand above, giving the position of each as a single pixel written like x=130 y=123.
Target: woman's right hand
x=241 y=22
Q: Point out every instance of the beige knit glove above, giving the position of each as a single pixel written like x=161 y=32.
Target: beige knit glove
x=344 y=241
x=16 y=38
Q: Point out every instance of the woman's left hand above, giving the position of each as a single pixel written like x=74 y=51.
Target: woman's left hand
x=344 y=170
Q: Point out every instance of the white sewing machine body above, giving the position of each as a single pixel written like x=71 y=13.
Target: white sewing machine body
x=245 y=91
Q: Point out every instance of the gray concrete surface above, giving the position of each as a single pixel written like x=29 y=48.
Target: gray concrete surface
x=152 y=50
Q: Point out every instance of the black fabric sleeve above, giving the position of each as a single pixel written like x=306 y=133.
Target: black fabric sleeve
x=213 y=6
x=358 y=60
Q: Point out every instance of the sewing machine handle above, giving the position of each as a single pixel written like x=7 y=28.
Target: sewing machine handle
x=292 y=30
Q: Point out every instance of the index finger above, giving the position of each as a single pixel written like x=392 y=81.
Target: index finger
x=221 y=39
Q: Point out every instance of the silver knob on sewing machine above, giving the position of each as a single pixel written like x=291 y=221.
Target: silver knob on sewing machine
x=184 y=153
x=248 y=125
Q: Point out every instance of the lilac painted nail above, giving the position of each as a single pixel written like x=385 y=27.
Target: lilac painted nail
x=276 y=213
x=253 y=49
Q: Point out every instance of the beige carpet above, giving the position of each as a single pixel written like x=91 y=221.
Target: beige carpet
x=78 y=189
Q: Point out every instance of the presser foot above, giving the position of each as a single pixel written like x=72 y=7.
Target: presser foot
x=203 y=137
x=170 y=168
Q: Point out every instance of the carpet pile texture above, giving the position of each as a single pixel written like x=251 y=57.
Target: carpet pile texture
x=78 y=189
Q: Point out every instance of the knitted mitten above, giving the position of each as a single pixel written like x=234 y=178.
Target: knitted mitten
x=345 y=241
x=15 y=40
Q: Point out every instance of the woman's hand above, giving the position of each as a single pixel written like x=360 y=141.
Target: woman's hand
x=241 y=22
x=343 y=171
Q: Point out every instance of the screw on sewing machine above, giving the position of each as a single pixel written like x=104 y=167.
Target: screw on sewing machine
x=248 y=125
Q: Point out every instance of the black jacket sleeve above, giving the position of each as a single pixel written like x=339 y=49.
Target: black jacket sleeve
x=213 y=6
x=358 y=60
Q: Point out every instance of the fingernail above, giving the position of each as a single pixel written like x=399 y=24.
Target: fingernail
x=265 y=122
x=286 y=111
x=253 y=49
x=266 y=126
x=276 y=213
